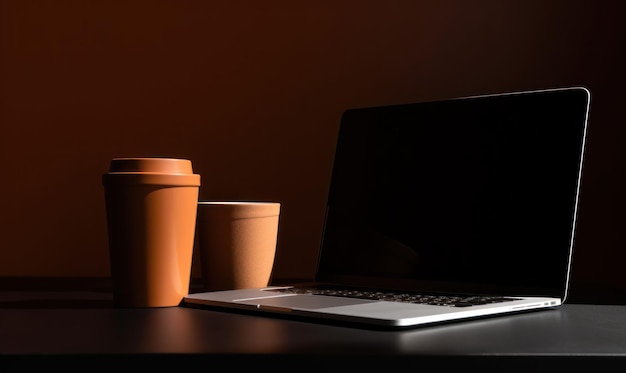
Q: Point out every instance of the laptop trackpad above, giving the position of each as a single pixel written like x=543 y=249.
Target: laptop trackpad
x=304 y=301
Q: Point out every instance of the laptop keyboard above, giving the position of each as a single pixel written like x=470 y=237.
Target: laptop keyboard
x=436 y=300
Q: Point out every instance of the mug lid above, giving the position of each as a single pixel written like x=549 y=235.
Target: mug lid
x=151 y=165
x=151 y=171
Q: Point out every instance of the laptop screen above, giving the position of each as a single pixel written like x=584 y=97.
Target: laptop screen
x=475 y=194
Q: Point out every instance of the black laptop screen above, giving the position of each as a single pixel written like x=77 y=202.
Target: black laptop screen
x=478 y=191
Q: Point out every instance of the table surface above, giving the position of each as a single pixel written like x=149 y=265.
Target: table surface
x=47 y=326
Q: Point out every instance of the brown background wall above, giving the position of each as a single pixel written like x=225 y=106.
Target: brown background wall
x=252 y=92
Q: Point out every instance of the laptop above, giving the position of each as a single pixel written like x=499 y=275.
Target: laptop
x=442 y=211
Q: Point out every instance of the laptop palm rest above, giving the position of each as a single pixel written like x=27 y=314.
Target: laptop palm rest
x=257 y=298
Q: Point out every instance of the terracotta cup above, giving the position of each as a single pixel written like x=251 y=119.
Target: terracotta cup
x=151 y=207
x=237 y=243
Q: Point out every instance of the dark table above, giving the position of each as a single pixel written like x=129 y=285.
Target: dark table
x=80 y=329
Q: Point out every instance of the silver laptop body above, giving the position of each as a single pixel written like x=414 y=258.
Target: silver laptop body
x=442 y=211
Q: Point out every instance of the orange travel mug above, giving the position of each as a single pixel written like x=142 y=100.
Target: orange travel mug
x=151 y=207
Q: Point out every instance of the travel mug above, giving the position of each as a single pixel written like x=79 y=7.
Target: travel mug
x=151 y=208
